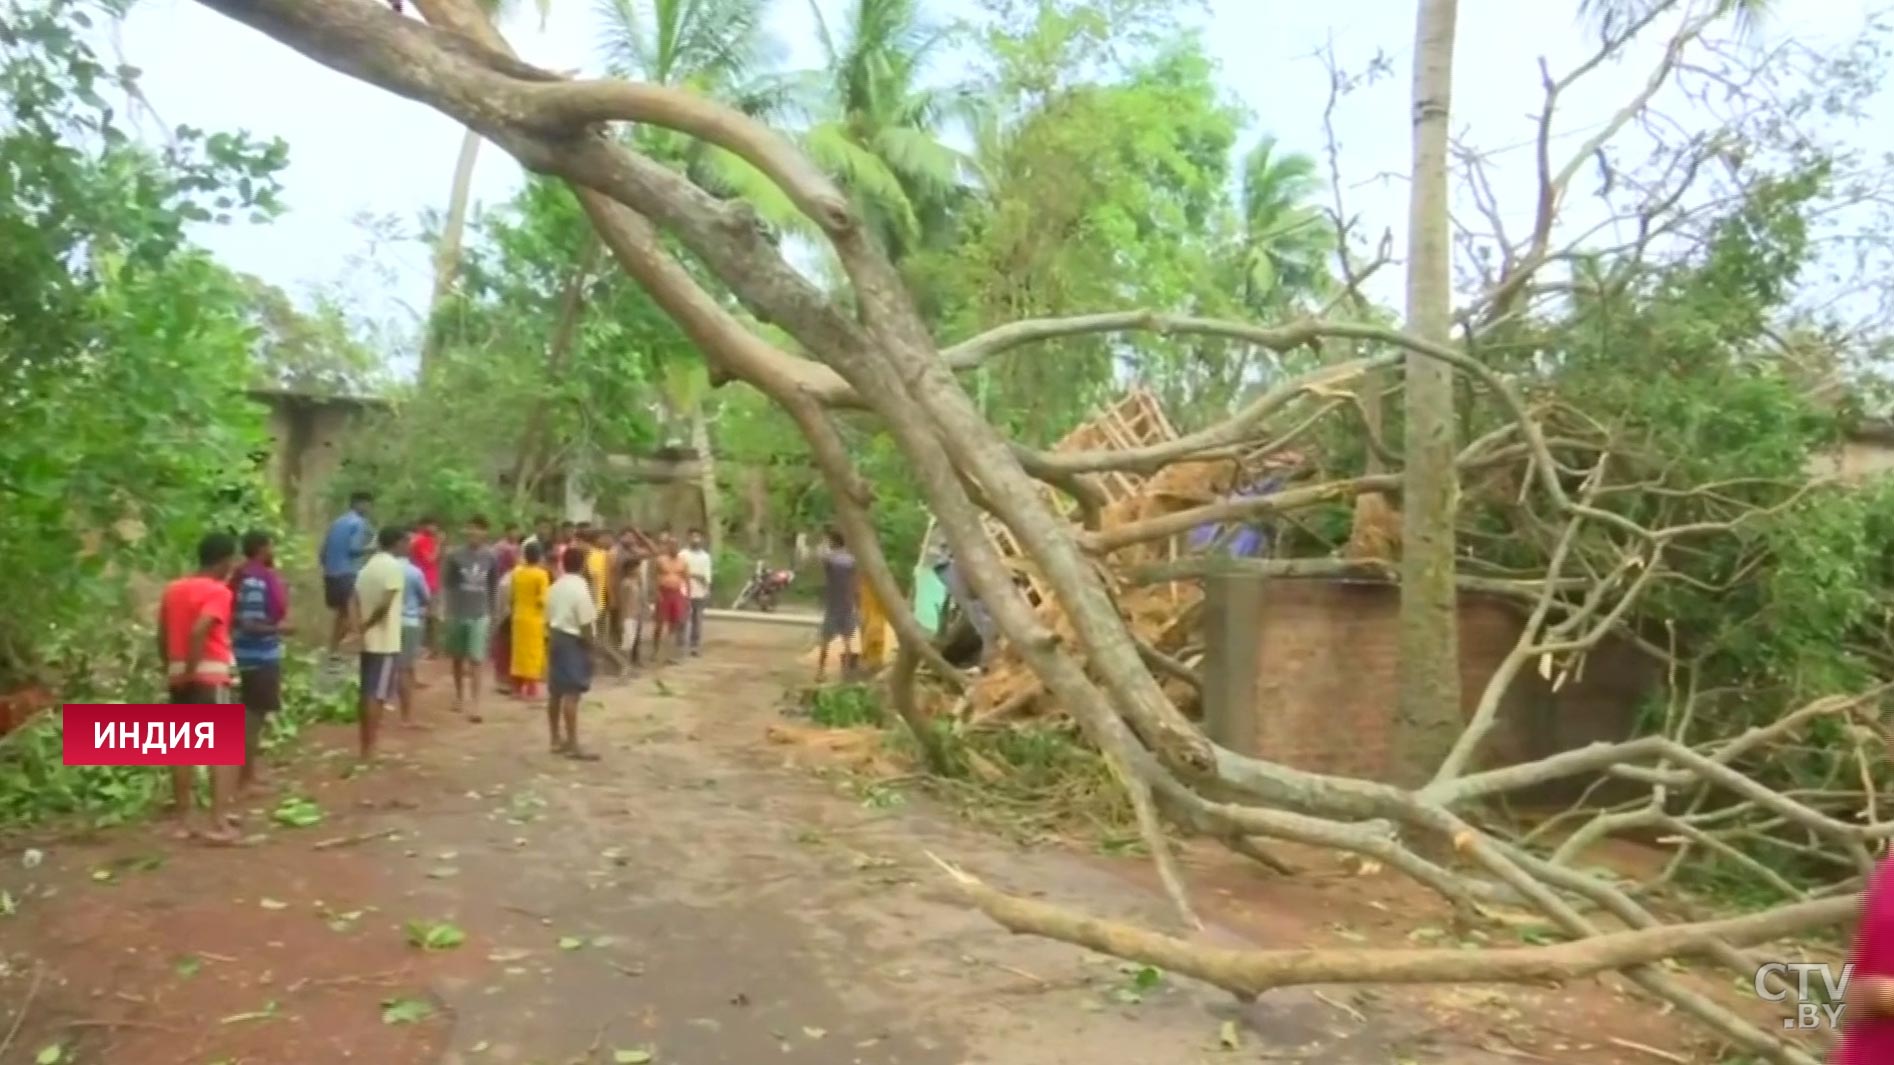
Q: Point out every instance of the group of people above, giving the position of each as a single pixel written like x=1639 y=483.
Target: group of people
x=220 y=634
x=536 y=608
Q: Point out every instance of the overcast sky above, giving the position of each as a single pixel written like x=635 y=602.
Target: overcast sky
x=356 y=150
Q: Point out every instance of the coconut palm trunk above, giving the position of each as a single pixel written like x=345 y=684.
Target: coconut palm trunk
x=447 y=249
x=1427 y=714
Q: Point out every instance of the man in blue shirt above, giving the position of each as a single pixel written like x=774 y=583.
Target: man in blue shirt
x=346 y=546
x=415 y=599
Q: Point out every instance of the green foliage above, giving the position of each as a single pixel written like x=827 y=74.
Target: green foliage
x=546 y=365
x=124 y=435
x=1108 y=191
x=846 y=706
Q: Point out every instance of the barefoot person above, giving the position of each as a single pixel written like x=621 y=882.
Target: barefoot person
x=194 y=641
x=696 y=558
x=1867 y=1033
x=841 y=612
x=345 y=548
x=424 y=550
x=379 y=590
x=262 y=610
x=417 y=605
x=471 y=578
x=629 y=602
x=530 y=585
x=673 y=607
x=572 y=618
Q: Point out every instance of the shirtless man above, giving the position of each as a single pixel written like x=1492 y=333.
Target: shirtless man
x=673 y=599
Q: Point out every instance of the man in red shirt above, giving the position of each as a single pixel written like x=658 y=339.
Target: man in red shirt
x=194 y=641
x=424 y=550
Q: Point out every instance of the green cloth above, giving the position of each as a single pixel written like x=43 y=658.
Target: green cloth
x=930 y=597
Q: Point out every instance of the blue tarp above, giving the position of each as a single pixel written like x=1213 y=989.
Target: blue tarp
x=1242 y=541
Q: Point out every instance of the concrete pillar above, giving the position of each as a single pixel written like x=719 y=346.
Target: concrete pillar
x=1232 y=623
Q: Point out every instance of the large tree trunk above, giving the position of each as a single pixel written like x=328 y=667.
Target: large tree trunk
x=1428 y=716
x=447 y=250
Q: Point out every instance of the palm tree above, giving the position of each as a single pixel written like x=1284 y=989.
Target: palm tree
x=880 y=134
x=1286 y=240
x=717 y=48
x=459 y=197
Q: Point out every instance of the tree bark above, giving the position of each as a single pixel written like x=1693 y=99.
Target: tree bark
x=1427 y=712
x=447 y=249
x=707 y=476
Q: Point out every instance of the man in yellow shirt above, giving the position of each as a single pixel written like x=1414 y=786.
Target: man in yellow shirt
x=598 y=568
x=379 y=588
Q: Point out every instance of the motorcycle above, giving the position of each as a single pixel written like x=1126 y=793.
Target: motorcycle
x=762 y=589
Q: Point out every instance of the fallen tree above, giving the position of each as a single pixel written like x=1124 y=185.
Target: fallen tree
x=868 y=348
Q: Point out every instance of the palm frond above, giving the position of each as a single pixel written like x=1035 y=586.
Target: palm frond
x=866 y=175
x=728 y=175
x=915 y=156
x=623 y=41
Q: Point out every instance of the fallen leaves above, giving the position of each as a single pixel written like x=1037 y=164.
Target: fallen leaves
x=406 y=1010
x=435 y=935
x=296 y=812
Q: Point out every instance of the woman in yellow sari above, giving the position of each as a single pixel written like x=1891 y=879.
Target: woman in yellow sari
x=530 y=584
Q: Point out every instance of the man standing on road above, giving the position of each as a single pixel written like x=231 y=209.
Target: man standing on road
x=262 y=607
x=379 y=590
x=472 y=580
x=417 y=606
x=841 y=612
x=571 y=617
x=344 y=549
x=194 y=641
x=697 y=571
x=424 y=550
x=673 y=599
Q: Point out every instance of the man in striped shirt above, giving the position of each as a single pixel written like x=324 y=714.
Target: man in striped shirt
x=261 y=622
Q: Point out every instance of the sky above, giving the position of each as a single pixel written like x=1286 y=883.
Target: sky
x=355 y=150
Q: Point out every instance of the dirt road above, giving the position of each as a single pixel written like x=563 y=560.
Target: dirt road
x=688 y=900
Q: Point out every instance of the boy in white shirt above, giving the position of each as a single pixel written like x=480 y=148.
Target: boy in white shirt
x=697 y=566
x=571 y=614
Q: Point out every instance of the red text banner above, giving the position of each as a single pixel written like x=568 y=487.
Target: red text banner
x=153 y=734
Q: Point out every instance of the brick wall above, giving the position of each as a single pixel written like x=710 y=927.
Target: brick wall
x=1306 y=674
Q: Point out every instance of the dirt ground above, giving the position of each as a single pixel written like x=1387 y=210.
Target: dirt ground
x=699 y=896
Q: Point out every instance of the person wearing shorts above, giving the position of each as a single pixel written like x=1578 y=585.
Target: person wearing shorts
x=262 y=607
x=194 y=642
x=379 y=591
x=841 y=608
x=572 y=619
x=673 y=607
x=344 y=549
x=471 y=580
x=417 y=604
